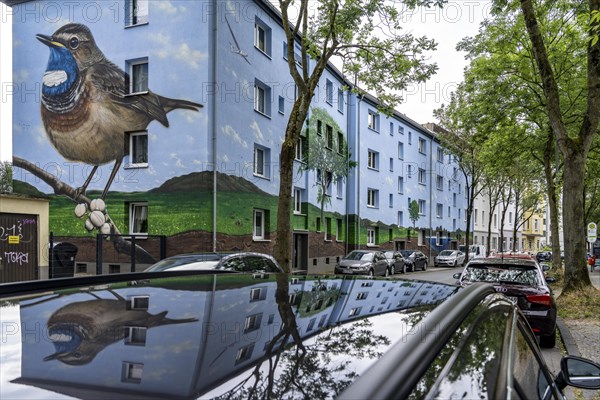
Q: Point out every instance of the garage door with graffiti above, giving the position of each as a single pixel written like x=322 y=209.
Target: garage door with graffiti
x=18 y=247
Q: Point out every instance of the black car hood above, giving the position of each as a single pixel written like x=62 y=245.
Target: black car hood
x=204 y=336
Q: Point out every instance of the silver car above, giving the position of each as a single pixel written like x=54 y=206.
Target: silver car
x=363 y=262
x=449 y=258
x=235 y=262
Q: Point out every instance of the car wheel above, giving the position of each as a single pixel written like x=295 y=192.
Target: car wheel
x=424 y=266
x=403 y=268
x=393 y=270
x=455 y=263
x=548 y=341
x=387 y=272
x=371 y=273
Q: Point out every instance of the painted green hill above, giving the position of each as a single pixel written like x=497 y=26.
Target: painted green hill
x=24 y=188
x=203 y=181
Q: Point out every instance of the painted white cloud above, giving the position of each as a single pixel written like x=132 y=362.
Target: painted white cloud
x=166 y=7
x=189 y=56
x=21 y=76
x=229 y=131
x=178 y=162
x=258 y=135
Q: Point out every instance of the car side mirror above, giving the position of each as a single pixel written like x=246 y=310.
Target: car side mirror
x=545 y=267
x=456 y=275
x=580 y=372
x=551 y=279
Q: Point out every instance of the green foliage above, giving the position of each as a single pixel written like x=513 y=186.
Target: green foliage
x=413 y=212
x=5 y=177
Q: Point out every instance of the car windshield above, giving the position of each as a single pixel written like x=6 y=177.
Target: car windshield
x=406 y=253
x=389 y=254
x=359 y=255
x=515 y=274
x=447 y=253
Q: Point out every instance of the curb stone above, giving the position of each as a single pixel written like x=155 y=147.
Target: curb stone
x=567 y=338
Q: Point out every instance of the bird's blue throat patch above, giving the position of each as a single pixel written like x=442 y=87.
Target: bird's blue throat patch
x=61 y=72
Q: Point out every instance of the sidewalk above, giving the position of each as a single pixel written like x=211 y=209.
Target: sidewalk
x=581 y=338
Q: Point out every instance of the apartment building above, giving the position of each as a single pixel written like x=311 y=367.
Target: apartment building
x=202 y=169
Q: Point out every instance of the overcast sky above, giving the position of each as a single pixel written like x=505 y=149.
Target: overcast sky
x=459 y=18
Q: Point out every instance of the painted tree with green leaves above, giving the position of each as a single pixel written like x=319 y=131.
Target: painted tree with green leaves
x=413 y=212
x=366 y=37
x=327 y=155
x=5 y=177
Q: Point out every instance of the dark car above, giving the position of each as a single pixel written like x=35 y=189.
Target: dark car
x=543 y=256
x=414 y=259
x=395 y=261
x=522 y=280
x=199 y=334
x=234 y=262
x=363 y=262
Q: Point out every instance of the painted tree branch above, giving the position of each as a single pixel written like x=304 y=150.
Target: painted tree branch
x=62 y=189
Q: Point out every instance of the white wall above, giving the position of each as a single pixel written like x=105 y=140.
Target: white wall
x=5 y=83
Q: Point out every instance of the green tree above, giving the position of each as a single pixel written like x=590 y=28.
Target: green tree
x=327 y=154
x=413 y=212
x=5 y=177
x=366 y=37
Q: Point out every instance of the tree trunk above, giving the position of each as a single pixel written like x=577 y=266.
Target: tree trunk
x=576 y=274
x=283 y=246
x=552 y=203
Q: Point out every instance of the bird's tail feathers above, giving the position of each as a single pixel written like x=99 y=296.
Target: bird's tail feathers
x=171 y=104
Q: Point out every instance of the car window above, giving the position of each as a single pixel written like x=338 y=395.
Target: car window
x=530 y=379
x=270 y=266
x=234 y=264
x=255 y=263
x=501 y=274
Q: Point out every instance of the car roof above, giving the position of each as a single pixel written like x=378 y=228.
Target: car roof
x=508 y=261
x=213 y=359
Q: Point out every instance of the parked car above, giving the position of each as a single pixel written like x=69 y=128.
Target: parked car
x=243 y=336
x=522 y=280
x=449 y=258
x=475 y=251
x=363 y=262
x=414 y=259
x=543 y=256
x=395 y=261
x=235 y=262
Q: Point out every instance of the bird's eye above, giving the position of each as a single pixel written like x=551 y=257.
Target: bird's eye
x=74 y=43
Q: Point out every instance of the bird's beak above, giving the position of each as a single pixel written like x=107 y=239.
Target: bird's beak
x=48 y=41
x=53 y=356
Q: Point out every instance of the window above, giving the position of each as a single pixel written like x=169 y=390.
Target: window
x=138 y=218
x=340 y=142
x=439 y=184
x=255 y=294
x=400 y=130
x=138 y=303
x=495 y=220
x=373 y=160
x=339 y=230
x=329 y=181
x=259 y=225
x=138 y=150
x=135 y=336
x=341 y=101
x=373 y=121
x=372 y=195
x=252 y=322
x=440 y=155
x=400 y=150
x=400 y=218
x=438 y=239
x=422 y=176
x=409 y=137
x=454 y=199
x=475 y=216
x=400 y=184
x=132 y=372
x=439 y=210
x=340 y=187
x=329 y=137
x=391 y=200
x=262 y=37
x=371 y=240
x=362 y=295
x=281 y=105
x=297 y=201
x=244 y=353
x=262 y=98
x=391 y=164
x=482 y=217
x=136 y=12
x=328 y=92
x=319 y=127
x=327 y=228
x=421 y=207
x=318 y=224
x=261 y=155
x=509 y=218
x=391 y=129
x=354 y=312
x=138 y=72
x=422 y=146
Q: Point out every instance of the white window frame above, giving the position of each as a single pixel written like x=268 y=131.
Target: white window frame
x=265 y=46
x=440 y=155
x=372 y=121
x=143 y=209
x=132 y=148
x=132 y=372
x=371 y=237
x=258 y=231
x=391 y=200
x=261 y=99
x=401 y=184
x=341 y=101
x=373 y=160
x=422 y=207
x=299 y=149
x=297 y=201
x=440 y=182
x=422 y=176
x=137 y=12
x=340 y=187
x=422 y=146
x=328 y=92
x=259 y=163
x=439 y=210
x=134 y=74
x=400 y=151
x=372 y=195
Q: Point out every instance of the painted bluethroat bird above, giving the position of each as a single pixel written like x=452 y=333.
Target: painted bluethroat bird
x=86 y=109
